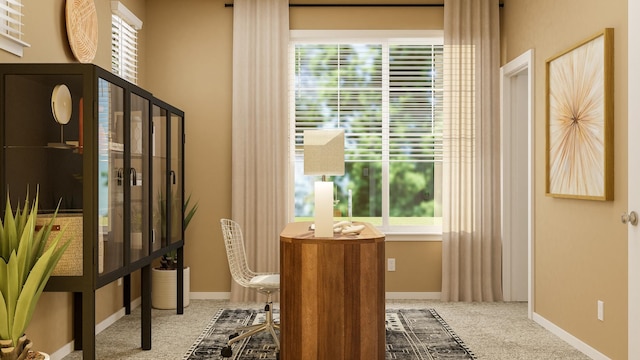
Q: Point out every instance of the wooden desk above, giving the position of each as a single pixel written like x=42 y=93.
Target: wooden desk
x=332 y=303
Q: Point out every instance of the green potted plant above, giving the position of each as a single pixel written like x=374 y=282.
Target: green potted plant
x=26 y=264
x=163 y=277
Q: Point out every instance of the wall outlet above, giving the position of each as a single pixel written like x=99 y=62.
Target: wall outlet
x=391 y=264
x=600 y=310
x=120 y=282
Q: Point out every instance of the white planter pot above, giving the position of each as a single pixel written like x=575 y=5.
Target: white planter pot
x=163 y=288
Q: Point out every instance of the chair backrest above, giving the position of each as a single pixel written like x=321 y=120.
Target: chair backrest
x=234 y=243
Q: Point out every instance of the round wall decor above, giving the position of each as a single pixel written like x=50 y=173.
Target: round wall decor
x=82 y=29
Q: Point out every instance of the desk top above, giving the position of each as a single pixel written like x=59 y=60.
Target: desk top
x=301 y=232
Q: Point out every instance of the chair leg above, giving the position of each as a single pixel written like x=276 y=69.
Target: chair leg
x=269 y=326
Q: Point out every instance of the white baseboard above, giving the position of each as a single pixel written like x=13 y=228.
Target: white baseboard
x=210 y=295
x=63 y=351
x=570 y=339
x=413 y=295
x=100 y=327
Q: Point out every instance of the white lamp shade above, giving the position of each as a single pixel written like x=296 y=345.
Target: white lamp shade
x=324 y=152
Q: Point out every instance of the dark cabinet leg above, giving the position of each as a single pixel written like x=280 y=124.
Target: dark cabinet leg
x=126 y=294
x=88 y=325
x=180 y=282
x=77 y=320
x=146 y=307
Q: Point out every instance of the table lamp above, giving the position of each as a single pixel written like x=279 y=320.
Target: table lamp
x=324 y=155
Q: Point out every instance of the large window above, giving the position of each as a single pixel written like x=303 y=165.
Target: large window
x=386 y=93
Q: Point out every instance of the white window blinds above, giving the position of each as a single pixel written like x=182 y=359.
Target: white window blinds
x=11 y=27
x=124 y=42
x=387 y=97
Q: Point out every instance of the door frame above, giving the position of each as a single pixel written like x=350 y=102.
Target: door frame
x=633 y=235
x=519 y=66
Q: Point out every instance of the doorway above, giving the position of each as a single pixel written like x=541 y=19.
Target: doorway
x=517 y=179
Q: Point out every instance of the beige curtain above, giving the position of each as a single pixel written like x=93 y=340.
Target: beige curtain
x=471 y=248
x=260 y=131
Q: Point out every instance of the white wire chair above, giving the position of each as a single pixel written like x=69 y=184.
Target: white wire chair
x=264 y=283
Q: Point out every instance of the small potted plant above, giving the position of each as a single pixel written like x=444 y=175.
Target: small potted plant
x=164 y=277
x=26 y=264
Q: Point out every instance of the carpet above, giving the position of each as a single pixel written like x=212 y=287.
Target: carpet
x=412 y=334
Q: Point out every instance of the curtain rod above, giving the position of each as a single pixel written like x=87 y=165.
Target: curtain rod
x=363 y=5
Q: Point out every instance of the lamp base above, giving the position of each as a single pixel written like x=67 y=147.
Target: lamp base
x=323 y=209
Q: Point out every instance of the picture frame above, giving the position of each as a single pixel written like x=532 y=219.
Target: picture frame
x=579 y=120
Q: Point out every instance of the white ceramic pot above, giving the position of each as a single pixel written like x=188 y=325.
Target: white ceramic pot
x=163 y=288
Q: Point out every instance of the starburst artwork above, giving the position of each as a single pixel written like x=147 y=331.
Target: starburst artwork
x=579 y=120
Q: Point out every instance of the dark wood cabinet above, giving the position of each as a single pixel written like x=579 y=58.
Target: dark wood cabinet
x=112 y=156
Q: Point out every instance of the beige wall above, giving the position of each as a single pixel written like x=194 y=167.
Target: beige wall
x=580 y=246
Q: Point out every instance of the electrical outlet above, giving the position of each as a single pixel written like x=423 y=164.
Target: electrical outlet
x=600 y=310
x=391 y=264
x=120 y=282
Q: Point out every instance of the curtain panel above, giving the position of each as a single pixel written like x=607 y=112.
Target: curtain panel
x=472 y=247
x=260 y=131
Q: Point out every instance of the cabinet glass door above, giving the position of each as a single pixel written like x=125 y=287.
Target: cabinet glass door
x=41 y=151
x=111 y=179
x=177 y=178
x=138 y=170
x=159 y=166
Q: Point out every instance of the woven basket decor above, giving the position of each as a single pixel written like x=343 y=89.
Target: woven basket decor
x=82 y=29
x=70 y=263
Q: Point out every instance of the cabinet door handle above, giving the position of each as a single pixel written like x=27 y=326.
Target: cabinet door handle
x=134 y=176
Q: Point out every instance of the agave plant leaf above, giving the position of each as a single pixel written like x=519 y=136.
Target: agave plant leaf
x=11 y=297
x=4 y=285
x=10 y=234
x=4 y=243
x=40 y=237
x=25 y=250
x=34 y=286
x=4 y=282
x=21 y=217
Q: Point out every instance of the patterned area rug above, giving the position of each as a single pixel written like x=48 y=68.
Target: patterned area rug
x=412 y=334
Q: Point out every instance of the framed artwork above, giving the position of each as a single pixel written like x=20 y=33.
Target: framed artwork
x=579 y=124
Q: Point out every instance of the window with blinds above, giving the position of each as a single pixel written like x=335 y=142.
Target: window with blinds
x=11 y=27
x=124 y=42
x=386 y=93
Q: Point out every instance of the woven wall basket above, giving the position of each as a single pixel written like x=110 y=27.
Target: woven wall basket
x=70 y=263
x=82 y=29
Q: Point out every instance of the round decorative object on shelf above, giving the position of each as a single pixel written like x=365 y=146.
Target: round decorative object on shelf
x=82 y=29
x=61 y=105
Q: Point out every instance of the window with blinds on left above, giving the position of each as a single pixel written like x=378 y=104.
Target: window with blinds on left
x=11 y=27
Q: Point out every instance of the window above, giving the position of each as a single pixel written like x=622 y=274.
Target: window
x=11 y=27
x=386 y=92
x=124 y=42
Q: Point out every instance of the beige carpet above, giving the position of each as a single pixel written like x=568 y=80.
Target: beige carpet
x=493 y=331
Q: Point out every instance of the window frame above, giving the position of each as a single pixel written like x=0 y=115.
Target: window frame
x=398 y=232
